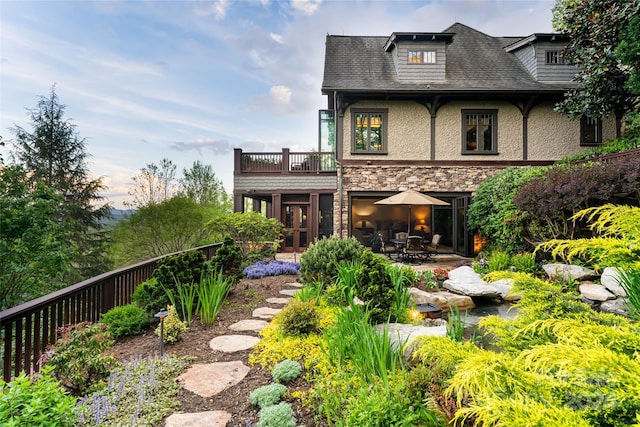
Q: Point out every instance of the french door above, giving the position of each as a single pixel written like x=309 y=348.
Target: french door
x=296 y=220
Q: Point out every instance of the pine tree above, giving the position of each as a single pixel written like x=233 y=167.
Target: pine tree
x=54 y=154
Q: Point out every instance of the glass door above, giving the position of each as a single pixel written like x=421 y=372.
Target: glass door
x=296 y=221
x=463 y=241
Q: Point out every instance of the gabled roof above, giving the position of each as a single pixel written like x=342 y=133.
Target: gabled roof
x=475 y=62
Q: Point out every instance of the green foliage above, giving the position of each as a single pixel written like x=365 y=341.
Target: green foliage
x=185 y=300
x=596 y=31
x=79 y=358
x=630 y=282
x=310 y=292
x=280 y=415
x=173 y=327
x=320 y=261
x=353 y=341
x=33 y=251
x=53 y=154
x=342 y=291
x=499 y=261
x=182 y=269
x=212 y=291
x=455 y=323
x=552 y=200
x=201 y=185
x=618 y=233
x=373 y=286
x=250 y=230
x=525 y=263
x=494 y=214
x=138 y=393
x=35 y=401
x=286 y=371
x=300 y=318
x=125 y=320
x=628 y=51
x=150 y=296
x=402 y=277
x=267 y=395
x=618 y=145
x=228 y=259
x=154 y=230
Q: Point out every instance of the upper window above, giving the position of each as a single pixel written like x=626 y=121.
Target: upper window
x=480 y=131
x=590 y=131
x=369 y=131
x=422 y=57
x=554 y=57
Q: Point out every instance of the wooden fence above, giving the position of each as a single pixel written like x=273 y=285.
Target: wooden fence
x=27 y=330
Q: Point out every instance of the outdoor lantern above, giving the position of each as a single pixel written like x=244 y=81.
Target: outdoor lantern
x=162 y=314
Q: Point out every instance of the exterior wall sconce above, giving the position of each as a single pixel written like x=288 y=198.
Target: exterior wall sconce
x=162 y=314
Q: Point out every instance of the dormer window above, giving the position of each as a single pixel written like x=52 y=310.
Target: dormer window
x=554 y=57
x=422 y=57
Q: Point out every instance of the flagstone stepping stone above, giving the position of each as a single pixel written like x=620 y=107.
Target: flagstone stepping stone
x=294 y=284
x=199 y=419
x=209 y=379
x=249 y=325
x=233 y=343
x=265 y=312
x=290 y=292
x=278 y=300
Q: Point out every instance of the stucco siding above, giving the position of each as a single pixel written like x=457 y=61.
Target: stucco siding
x=552 y=135
x=449 y=131
x=408 y=130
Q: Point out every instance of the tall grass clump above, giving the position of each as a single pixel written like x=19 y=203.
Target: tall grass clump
x=499 y=261
x=401 y=278
x=342 y=291
x=525 y=263
x=630 y=282
x=184 y=301
x=213 y=289
x=354 y=341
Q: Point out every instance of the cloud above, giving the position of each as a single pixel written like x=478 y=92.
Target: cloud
x=217 y=9
x=276 y=38
x=280 y=95
x=307 y=7
x=218 y=147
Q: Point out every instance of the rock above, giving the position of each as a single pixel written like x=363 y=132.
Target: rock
x=233 y=343
x=615 y=306
x=504 y=287
x=595 y=292
x=567 y=272
x=289 y=292
x=294 y=284
x=405 y=334
x=199 y=419
x=465 y=281
x=249 y=325
x=278 y=300
x=209 y=379
x=609 y=279
x=265 y=312
x=441 y=299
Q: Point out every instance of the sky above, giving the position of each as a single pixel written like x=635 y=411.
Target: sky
x=192 y=80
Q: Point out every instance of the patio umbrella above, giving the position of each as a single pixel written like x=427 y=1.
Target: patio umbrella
x=410 y=198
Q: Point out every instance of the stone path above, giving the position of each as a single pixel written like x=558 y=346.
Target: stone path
x=207 y=380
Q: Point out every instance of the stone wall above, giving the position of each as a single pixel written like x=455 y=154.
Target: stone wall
x=428 y=179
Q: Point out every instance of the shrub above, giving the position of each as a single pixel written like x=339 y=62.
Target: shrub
x=272 y=268
x=286 y=371
x=185 y=267
x=79 y=357
x=125 y=320
x=320 y=261
x=499 y=261
x=440 y=274
x=267 y=395
x=280 y=415
x=173 y=326
x=228 y=259
x=35 y=401
x=214 y=288
x=150 y=296
x=374 y=286
x=252 y=231
x=525 y=263
x=300 y=318
x=139 y=393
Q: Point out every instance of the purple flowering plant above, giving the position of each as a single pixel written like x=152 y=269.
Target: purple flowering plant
x=272 y=268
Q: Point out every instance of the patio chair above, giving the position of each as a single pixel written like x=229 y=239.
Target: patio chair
x=389 y=249
x=413 y=250
x=432 y=248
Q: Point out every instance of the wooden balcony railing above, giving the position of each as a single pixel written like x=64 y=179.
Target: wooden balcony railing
x=27 y=330
x=284 y=162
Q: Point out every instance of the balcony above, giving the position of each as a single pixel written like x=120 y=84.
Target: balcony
x=285 y=162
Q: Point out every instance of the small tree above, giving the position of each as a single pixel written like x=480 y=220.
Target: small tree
x=201 y=185
x=250 y=230
x=153 y=184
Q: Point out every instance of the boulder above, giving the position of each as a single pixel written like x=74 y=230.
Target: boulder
x=567 y=272
x=464 y=281
x=615 y=306
x=405 y=334
x=595 y=292
x=442 y=299
x=610 y=279
x=505 y=287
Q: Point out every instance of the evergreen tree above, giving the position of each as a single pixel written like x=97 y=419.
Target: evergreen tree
x=55 y=155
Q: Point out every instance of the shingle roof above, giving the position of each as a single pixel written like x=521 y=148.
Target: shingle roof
x=475 y=62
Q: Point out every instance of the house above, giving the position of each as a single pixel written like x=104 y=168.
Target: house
x=437 y=112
